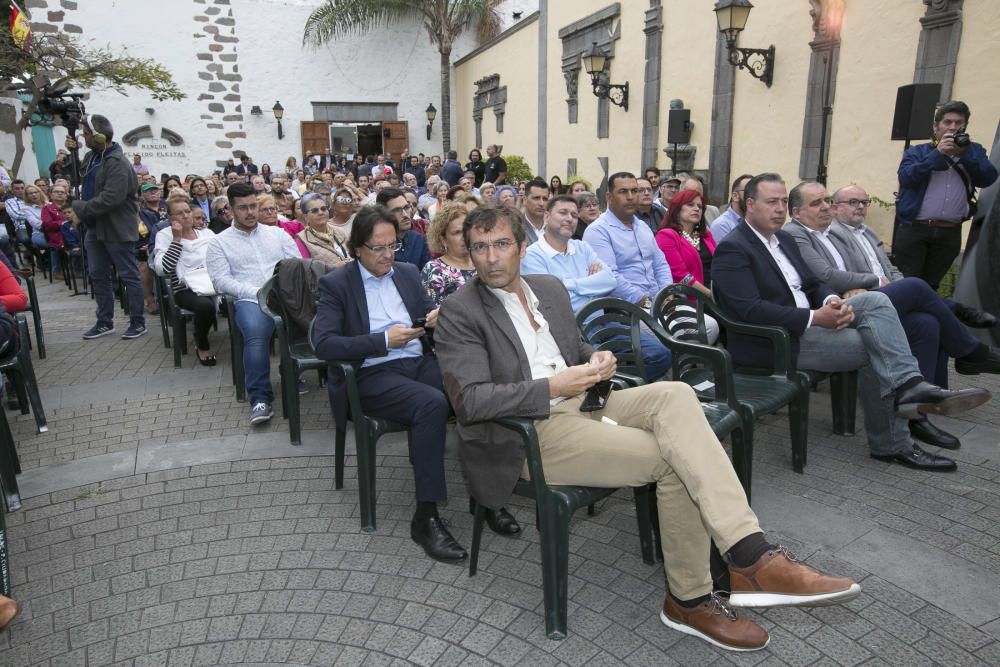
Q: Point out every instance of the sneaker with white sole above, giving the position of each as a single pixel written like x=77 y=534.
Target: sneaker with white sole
x=261 y=412
x=99 y=330
x=779 y=579
x=134 y=331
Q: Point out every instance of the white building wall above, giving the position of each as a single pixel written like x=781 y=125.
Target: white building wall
x=396 y=64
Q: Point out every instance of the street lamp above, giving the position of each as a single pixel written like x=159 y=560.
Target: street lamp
x=595 y=63
x=431 y=115
x=732 y=16
x=279 y=113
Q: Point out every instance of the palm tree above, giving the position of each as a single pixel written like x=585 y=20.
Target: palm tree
x=444 y=20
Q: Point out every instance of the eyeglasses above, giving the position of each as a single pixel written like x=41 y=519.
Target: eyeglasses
x=318 y=209
x=379 y=249
x=343 y=200
x=501 y=246
x=401 y=209
x=854 y=203
x=268 y=209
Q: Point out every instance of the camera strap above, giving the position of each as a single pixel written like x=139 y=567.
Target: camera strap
x=970 y=189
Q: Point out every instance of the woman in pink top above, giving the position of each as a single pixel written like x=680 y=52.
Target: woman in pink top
x=688 y=246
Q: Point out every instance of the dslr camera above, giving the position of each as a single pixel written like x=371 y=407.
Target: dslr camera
x=961 y=138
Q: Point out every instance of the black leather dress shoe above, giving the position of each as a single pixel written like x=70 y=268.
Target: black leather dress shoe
x=924 y=431
x=435 y=539
x=926 y=398
x=991 y=364
x=502 y=522
x=920 y=460
x=972 y=317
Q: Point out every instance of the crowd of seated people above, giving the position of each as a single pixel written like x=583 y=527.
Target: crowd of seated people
x=503 y=266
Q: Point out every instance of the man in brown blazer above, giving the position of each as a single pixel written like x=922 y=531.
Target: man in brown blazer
x=536 y=365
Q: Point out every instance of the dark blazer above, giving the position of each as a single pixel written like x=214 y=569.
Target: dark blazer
x=748 y=283
x=342 y=329
x=486 y=375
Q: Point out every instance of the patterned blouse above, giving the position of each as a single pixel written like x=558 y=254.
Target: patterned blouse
x=442 y=279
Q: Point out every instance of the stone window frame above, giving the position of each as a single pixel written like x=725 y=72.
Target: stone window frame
x=604 y=27
x=489 y=93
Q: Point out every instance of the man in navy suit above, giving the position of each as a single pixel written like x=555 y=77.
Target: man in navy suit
x=369 y=313
x=759 y=275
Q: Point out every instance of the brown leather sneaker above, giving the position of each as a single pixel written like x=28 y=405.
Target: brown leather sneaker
x=778 y=579
x=9 y=609
x=716 y=623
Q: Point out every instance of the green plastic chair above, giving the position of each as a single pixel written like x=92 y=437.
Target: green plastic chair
x=367 y=431
x=296 y=357
x=555 y=506
x=36 y=315
x=235 y=349
x=22 y=375
x=604 y=321
x=758 y=392
x=10 y=467
x=159 y=291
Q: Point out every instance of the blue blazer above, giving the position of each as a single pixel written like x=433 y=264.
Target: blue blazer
x=915 y=173
x=748 y=283
x=342 y=329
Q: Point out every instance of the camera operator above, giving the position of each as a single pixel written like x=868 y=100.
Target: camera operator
x=937 y=183
x=109 y=211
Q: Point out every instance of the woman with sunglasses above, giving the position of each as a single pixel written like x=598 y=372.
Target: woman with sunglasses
x=320 y=239
x=345 y=204
x=222 y=215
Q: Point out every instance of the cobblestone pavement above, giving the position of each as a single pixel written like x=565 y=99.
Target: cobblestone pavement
x=158 y=529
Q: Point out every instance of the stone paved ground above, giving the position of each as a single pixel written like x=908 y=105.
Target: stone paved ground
x=157 y=529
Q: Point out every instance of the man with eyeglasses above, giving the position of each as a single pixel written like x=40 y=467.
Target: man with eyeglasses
x=760 y=276
x=240 y=260
x=644 y=209
x=375 y=313
x=413 y=246
x=732 y=216
x=283 y=197
x=509 y=347
x=665 y=192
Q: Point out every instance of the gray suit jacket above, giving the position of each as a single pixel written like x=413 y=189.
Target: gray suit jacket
x=486 y=375
x=854 y=256
x=822 y=263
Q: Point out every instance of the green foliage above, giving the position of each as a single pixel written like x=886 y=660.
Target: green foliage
x=518 y=170
x=67 y=62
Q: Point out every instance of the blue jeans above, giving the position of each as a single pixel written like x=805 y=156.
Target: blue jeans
x=876 y=346
x=257 y=329
x=656 y=357
x=39 y=241
x=101 y=256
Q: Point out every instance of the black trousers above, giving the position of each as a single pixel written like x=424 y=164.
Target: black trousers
x=409 y=391
x=203 y=308
x=927 y=252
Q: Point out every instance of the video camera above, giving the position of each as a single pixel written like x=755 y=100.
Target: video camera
x=70 y=111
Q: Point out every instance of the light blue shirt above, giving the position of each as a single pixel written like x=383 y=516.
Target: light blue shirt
x=724 y=224
x=638 y=264
x=572 y=268
x=385 y=310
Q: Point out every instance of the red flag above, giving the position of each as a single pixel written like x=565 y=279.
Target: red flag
x=20 y=29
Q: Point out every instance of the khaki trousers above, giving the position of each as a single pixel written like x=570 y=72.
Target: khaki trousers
x=662 y=436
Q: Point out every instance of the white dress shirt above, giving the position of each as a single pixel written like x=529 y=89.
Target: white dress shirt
x=824 y=238
x=544 y=357
x=792 y=277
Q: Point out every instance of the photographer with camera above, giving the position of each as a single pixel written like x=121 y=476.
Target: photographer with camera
x=937 y=187
x=109 y=210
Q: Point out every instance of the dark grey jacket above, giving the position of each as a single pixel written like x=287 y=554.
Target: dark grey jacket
x=114 y=208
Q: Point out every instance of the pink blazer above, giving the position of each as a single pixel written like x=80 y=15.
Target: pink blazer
x=681 y=255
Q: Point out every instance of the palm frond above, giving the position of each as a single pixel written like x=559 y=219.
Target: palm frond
x=480 y=15
x=336 y=18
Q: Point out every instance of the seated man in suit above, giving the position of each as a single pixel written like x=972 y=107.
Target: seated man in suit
x=760 y=277
x=932 y=330
x=374 y=313
x=509 y=346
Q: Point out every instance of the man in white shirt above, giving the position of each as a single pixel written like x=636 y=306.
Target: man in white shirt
x=508 y=346
x=759 y=275
x=240 y=259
